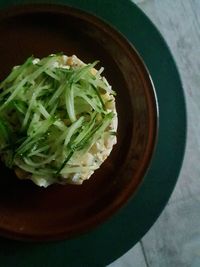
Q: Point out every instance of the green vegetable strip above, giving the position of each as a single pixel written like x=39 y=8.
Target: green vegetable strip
x=36 y=91
x=4 y=130
x=44 y=64
x=26 y=145
x=54 y=108
x=82 y=72
x=91 y=102
x=41 y=155
x=86 y=130
x=29 y=162
x=61 y=138
x=99 y=96
x=43 y=111
x=38 y=151
x=65 y=162
x=56 y=95
x=97 y=133
x=52 y=74
x=30 y=169
x=16 y=72
x=14 y=94
x=72 y=130
x=69 y=98
x=60 y=125
x=44 y=126
x=33 y=123
x=21 y=106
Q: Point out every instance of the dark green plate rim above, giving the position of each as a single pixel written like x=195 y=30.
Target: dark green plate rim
x=115 y=237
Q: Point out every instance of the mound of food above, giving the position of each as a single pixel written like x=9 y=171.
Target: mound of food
x=58 y=120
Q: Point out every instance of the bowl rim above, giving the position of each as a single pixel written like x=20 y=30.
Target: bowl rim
x=98 y=22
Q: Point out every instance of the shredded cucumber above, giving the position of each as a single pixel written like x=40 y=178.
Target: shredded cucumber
x=48 y=114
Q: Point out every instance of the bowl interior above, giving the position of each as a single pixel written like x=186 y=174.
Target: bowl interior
x=33 y=213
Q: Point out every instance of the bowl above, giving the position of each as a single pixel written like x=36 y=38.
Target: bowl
x=28 y=212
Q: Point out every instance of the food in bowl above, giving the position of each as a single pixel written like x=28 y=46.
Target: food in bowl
x=58 y=120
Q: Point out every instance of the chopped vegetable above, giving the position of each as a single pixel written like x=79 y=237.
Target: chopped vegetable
x=53 y=119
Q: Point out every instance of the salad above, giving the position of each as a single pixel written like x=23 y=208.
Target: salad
x=58 y=120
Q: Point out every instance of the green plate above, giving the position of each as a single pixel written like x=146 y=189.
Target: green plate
x=113 y=238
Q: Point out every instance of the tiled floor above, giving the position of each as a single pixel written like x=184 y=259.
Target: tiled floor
x=174 y=240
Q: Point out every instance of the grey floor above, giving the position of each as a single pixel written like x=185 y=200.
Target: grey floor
x=174 y=240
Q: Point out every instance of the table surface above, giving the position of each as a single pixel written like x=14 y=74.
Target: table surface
x=174 y=240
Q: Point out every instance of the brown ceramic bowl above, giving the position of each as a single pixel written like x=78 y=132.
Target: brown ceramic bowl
x=28 y=212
